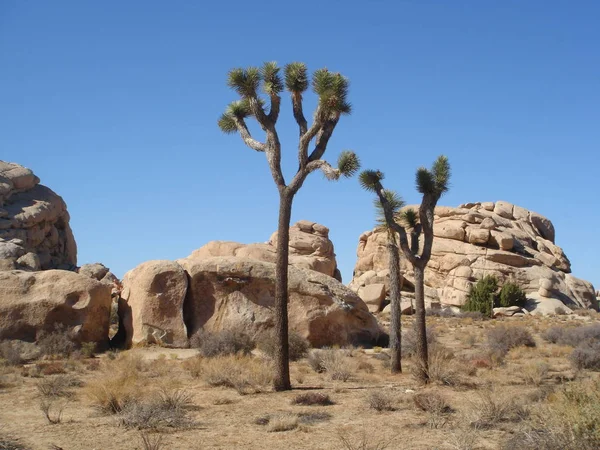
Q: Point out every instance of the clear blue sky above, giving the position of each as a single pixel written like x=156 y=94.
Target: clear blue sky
x=114 y=105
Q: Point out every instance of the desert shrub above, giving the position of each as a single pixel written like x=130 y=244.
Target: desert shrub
x=586 y=355
x=493 y=408
x=57 y=343
x=9 y=444
x=409 y=341
x=363 y=441
x=166 y=409
x=475 y=315
x=585 y=312
x=118 y=384
x=298 y=346
x=312 y=398
x=572 y=336
x=431 y=402
x=243 y=373
x=52 y=368
x=511 y=295
x=59 y=386
x=366 y=366
x=440 y=312
x=151 y=442
x=88 y=349
x=52 y=409
x=570 y=420
x=482 y=296
x=310 y=418
x=502 y=338
x=442 y=368
x=226 y=342
x=380 y=401
x=534 y=372
x=332 y=361
x=10 y=353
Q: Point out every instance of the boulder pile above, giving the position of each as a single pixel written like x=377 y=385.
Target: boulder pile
x=472 y=241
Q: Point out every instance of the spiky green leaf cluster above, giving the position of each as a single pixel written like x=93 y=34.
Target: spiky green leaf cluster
x=409 y=217
x=272 y=83
x=239 y=109
x=370 y=179
x=435 y=181
x=441 y=174
x=348 y=163
x=296 y=77
x=332 y=89
x=395 y=203
x=244 y=81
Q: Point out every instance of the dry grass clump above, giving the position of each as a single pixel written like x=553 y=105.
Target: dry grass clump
x=8 y=444
x=363 y=441
x=117 y=384
x=535 y=372
x=493 y=408
x=380 y=401
x=52 y=409
x=226 y=342
x=244 y=373
x=443 y=368
x=333 y=362
x=151 y=442
x=298 y=346
x=586 y=340
x=165 y=409
x=570 y=420
x=312 y=398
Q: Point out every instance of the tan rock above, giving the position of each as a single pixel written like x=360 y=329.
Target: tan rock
x=504 y=209
x=504 y=241
x=373 y=295
x=32 y=302
x=450 y=230
x=488 y=206
x=478 y=235
x=488 y=224
x=227 y=292
x=543 y=225
x=155 y=292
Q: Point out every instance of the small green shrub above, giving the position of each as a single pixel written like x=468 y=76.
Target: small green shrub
x=482 y=296
x=511 y=295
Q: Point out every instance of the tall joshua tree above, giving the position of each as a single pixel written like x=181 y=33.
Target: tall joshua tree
x=332 y=91
x=432 y=183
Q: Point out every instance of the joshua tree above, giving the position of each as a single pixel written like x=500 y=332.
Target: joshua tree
x=432 y=184
x=396 y=203
x=332 y=91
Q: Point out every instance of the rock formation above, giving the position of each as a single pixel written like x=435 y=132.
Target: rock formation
x=35 y=238
x=34 y=223
x=310 y=248
x=230 y=285
x=474 y=240
x=33 y=302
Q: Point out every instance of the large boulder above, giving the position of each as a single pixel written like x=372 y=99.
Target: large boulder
x=309 y=248
x=478 y=239
x=33 y=302
x=155 y=292
x=229 y=292
x=34 y=223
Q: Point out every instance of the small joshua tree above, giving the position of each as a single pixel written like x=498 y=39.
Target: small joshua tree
x=332 y=91
x=432 y=184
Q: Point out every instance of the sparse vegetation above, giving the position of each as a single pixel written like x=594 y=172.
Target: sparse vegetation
x=56 y=343
x=380 y=401
x=226 y=342
x=298 y=346
x=335 y=363
x=487 y=294
x=502 y=338
x=312 y=399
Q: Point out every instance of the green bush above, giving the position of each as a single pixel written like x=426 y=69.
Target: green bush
x=482 y=296
x=511 y=295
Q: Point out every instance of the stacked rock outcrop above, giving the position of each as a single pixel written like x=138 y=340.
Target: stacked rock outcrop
x=474 y=240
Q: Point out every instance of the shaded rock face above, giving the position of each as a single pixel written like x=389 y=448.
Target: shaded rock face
x=225 y=285
x=32 y=302
x=154 y=292
x=34 y=223
x=310 y=248
x=478 y=239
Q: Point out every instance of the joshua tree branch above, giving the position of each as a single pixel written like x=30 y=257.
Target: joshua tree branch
x=426 y=221
x=275 y=106
x=298 y=112
x=323 y=137
x=247 y=137
x=329 y=172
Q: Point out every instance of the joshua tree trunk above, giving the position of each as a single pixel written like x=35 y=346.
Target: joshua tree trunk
x=282 y=370
x=420 y=326
x=395 y=298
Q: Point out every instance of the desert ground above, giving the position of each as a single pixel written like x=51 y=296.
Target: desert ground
x=492 y=387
